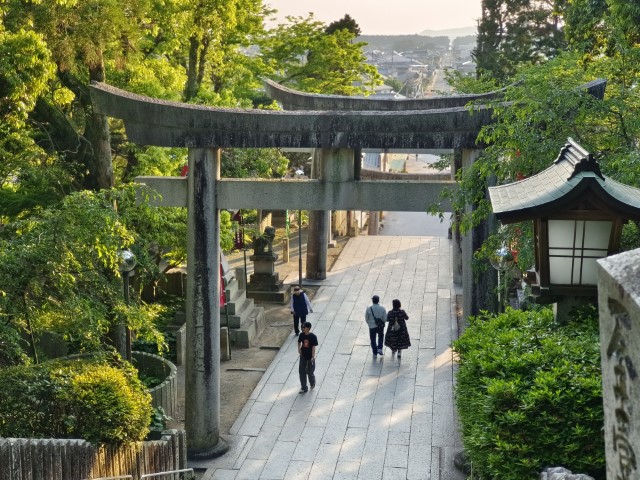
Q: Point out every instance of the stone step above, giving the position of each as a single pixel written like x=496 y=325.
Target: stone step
x=250 y=329
x=237 y=319
x=241 y=303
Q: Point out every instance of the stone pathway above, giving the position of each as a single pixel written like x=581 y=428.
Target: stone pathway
x=369 y=417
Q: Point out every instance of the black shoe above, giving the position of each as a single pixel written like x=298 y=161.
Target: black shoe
x=303 y=390
x=296 y=333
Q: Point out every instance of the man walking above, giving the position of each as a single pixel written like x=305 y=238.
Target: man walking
x=375 y=317
x=300 y=306
x=307 y=343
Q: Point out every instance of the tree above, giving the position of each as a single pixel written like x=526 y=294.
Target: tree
x=511 y=32
x=29 y=176
x=345 y=23
x=303 y=56
x=216 y=31
x=82 y=35
x=59 y=268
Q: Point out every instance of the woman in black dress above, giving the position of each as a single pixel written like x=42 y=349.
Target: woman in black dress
x=397 y=337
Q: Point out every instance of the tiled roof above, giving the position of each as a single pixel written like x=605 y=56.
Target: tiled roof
x=574 y=171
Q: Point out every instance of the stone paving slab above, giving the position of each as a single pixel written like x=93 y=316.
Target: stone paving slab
x=369 y=417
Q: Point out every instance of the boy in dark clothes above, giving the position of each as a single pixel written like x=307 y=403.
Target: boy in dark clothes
x=307 y=343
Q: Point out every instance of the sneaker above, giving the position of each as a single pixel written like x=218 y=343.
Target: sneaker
x=296 y=333
x=380 y=352
x=304 y=390
x=313 y=386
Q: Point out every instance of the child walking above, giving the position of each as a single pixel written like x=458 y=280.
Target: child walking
x=307 y=343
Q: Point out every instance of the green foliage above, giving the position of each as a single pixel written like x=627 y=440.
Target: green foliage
x=97 y=400
x=59 y=269
x=29 y=176
x=303 y=56
x=158 y=420
x=257 y=162
x=512 y=32
x=630 y=237
x=345 y=23
x=529 y=394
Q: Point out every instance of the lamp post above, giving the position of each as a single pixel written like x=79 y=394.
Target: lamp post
x=126 y=266
x=299 y=173
x=501 y=260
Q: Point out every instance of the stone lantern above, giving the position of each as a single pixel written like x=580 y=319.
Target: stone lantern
x=577 y=214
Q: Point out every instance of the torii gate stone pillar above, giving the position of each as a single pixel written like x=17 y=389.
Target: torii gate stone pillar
x=202 y=404
x=329 y=165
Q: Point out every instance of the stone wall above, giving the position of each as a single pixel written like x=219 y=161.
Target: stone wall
x=164 y=395
x=72 y=459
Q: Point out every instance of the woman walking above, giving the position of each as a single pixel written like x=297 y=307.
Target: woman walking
x=397 y=337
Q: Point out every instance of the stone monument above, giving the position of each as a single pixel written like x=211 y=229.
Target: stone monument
x=264 y=283
x=619 y=306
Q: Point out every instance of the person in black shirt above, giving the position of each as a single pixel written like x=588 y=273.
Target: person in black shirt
x=307 y=343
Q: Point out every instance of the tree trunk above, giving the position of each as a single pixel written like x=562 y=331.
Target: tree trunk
x=191 y=88
x=99 y=162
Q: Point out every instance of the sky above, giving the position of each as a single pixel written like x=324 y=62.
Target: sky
x=379 y=17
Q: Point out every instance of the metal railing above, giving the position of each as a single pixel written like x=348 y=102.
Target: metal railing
x=169 y=472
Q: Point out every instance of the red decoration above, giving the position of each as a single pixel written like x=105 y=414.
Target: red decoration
x=223 y=296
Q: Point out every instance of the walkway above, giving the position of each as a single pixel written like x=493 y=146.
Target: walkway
x=368 y=417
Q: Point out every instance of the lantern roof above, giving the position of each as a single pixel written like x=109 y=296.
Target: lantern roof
x=573 y=181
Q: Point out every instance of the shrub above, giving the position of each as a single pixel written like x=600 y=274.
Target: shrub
x=89 y=399
x=529 y=395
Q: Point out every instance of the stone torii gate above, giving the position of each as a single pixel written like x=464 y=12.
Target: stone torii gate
x=336 y=136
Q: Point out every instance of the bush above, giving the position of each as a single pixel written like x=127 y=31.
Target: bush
x=528 y=394
x=89 y=399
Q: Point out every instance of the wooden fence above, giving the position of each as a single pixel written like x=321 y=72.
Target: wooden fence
x=63 y=459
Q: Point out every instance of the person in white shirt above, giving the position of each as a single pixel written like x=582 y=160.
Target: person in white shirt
x=375 y=317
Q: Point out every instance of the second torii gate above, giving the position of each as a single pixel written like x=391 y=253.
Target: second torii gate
x=336 y=136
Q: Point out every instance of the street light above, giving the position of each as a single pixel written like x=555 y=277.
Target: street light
x=127 y=263
x=299 y=173
x=501 y=260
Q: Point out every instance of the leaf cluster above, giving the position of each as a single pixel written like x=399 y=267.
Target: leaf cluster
x=99 y=400
x=529 y=394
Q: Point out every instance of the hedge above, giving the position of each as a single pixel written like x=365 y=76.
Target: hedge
x=80 y=398
x=528 y=394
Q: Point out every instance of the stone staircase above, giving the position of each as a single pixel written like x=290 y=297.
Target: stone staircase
x=245 y=320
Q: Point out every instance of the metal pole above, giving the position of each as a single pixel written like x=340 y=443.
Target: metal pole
x=125 y=278
x=244 y=251
x=300 y=248
x=499 y=292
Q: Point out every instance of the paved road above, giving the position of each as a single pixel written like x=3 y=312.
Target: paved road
x=369 y=417
x=415 y=223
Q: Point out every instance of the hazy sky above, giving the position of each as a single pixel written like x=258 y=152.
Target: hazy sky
x=379 y=17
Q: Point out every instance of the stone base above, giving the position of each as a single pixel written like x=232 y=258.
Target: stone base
x=267 y=288
x=281 y=297
x=214 y=452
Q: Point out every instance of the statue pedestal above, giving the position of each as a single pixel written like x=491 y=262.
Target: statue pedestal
x=265 y=284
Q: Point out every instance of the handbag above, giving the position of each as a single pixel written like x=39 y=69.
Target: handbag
x=379 y=321
x=396 y=326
